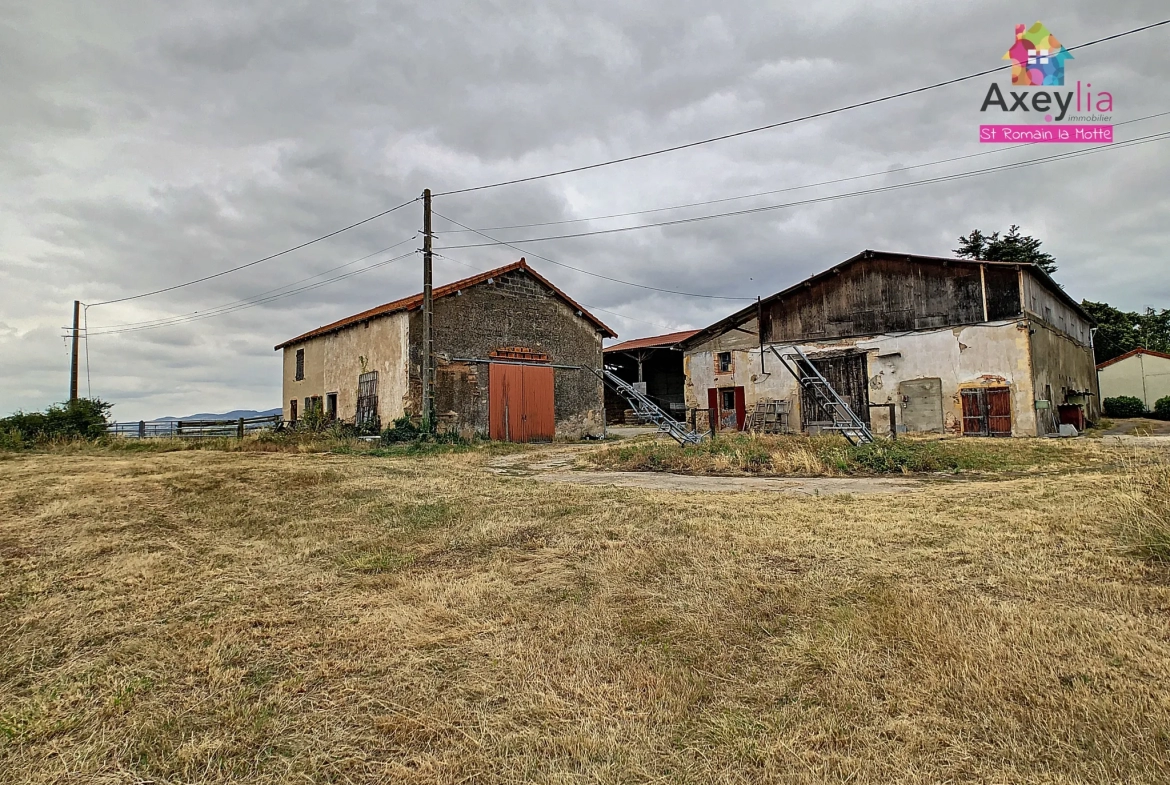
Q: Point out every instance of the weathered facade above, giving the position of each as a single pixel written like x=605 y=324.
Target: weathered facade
x=509 y=322
x=656 y=363
x=957 y=346
x=1141 y=373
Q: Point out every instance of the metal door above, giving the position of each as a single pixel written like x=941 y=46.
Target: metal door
x=520 y=403
x=922 y=409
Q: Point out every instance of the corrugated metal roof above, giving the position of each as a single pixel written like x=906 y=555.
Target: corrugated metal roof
x=653 y=342
x=415 y=301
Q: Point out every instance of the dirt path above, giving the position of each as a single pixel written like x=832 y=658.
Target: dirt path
x=561 y=464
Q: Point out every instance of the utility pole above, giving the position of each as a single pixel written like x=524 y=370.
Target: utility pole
x=73 y=362
x=428 y=355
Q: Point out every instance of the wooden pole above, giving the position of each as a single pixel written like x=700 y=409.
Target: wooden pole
x=73 y=361
x=428 y=358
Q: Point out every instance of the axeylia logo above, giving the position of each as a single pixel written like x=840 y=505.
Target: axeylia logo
x=1037 y=57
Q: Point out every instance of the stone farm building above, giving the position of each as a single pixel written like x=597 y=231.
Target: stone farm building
x=959 y=346
x=513 y=361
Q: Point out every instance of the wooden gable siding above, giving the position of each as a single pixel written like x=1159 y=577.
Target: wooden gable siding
x=891 y=295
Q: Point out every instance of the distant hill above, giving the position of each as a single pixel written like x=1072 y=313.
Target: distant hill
x=232 y=415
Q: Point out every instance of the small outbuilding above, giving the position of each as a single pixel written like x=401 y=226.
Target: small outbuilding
x=517 y=359
x=957 y=346
x=653 y=365
x=1141 y=373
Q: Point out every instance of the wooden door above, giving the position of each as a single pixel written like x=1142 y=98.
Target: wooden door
x=520 y=403
x=740 y=408
x=848 y=374
x=974 y=412
x=999 y=411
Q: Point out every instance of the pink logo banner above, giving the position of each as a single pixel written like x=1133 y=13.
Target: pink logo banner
x=1046 y=134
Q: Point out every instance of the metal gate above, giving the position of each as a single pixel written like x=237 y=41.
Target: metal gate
x=848 y=374
x=987 y=411
x=520 y=403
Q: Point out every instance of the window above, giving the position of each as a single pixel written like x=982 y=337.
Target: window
x=300 y=365
x=292 y=412
x=366 y=417
x=723 y=362
x=331 y=406
x=727 y=399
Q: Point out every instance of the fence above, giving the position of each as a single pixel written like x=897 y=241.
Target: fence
x=193 y=429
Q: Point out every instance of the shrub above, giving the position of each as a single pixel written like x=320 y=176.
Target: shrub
x=404 y=430
x=84 y=418
x=1124 y=406
x=1162 y=408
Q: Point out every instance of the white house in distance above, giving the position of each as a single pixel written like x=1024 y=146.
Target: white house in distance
x=1141 y=373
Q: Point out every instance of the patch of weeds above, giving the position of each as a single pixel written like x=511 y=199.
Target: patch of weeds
x=381 y=561
x=1145 y=509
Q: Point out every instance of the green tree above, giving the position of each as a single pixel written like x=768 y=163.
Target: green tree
x=1120 y=331
x=1011 y=247
x=83 y=418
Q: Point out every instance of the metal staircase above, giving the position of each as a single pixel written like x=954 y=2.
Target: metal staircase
x=845 y=420
x=647 y=410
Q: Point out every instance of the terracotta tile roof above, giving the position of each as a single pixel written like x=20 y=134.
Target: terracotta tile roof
x=653 y=342
x=1132 y=353
x=415 y=301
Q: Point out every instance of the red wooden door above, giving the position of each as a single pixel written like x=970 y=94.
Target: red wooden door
x=520 y=403
x=740 y=408
x=974 y=412
x=999 y=411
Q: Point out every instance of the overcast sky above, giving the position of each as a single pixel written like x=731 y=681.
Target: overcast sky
x=143 y=144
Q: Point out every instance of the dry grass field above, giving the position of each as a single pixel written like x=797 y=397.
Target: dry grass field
x=204 y=616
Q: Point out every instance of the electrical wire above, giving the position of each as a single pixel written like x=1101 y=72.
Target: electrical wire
x=252 y=304
x=781 y=190
x=258 y=261
x=590 y=307
x=766 y=208
x=494 y=241
x=250 y=298
x=769 y=126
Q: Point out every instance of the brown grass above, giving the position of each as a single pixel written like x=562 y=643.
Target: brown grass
x=225 y=617
x=829 y=456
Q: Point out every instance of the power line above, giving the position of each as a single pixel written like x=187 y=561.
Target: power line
x=250 y=298
x=494 y=241
x=252 y=304
x=781 y=190
x=791 y=121
x=805 y=202
x=258 y=261
x=591 y=307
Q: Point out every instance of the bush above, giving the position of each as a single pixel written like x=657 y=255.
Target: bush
x=84 y=418
x=404 y=430
x=1124 y=406
x=1162 y=408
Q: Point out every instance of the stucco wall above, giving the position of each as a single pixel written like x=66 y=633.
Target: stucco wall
x=333 y=363
x=1064 y=367
x=1143 y=376
x=995 y=354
